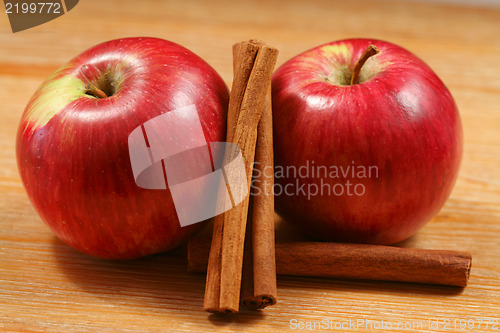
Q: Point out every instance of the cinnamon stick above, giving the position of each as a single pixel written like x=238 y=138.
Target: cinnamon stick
x=246 y=105
x=258 y=286
x=246 y=293
x=359 y=261
x=241 y=75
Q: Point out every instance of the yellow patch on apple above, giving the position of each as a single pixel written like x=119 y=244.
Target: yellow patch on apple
x=52 y=96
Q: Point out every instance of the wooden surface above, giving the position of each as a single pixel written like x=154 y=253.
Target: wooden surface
x=45 y=286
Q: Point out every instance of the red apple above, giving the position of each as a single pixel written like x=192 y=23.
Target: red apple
x=382 y=155
x=72 y=147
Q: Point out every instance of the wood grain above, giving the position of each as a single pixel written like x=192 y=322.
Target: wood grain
x=45 y=286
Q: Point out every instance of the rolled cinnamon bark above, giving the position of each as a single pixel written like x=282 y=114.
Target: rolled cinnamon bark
x=246 y=105
x=258 y=283
x=358 y=261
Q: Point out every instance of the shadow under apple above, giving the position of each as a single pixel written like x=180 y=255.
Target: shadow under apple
x=153 y=285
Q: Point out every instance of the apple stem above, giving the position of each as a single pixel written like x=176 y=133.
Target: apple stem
x=370 y=51
x=94 y=91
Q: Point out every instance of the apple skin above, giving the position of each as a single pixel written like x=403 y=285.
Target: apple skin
x=400 y=118
x=72 y=150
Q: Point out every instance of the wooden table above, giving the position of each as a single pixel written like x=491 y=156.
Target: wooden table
x=45 y=286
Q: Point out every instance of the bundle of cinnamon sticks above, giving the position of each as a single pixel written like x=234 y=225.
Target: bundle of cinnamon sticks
x=249 y=125
x=242 y=262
